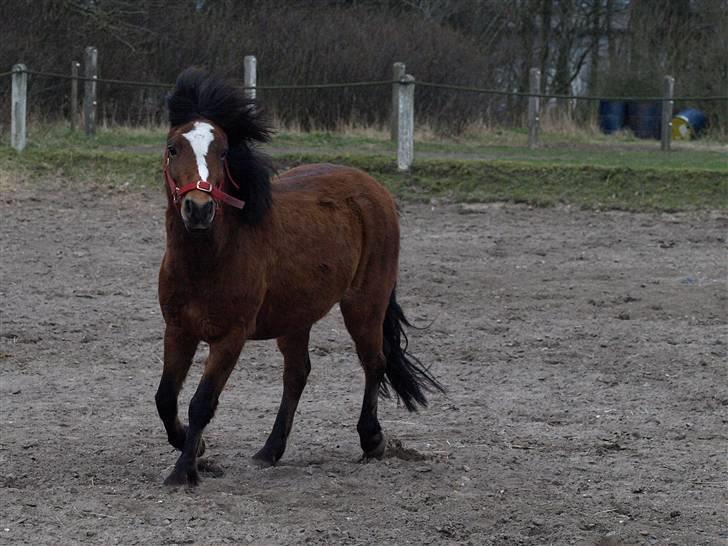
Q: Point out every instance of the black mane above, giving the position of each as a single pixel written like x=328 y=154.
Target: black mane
x=200 y=95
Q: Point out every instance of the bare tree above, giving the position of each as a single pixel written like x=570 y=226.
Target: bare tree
x=604 y=46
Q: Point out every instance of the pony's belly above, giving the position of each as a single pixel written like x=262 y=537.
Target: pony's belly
x=280 y=318
x=305 y=288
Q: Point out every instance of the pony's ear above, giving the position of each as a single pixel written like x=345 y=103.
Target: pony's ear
x=199 y=94
x=252 y=172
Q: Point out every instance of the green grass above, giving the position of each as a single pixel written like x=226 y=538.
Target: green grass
x=56 y=136
x=589 y=187
x=593 y=173
x=588 y=149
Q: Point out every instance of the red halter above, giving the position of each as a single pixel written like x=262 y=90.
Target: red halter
x=202 y=185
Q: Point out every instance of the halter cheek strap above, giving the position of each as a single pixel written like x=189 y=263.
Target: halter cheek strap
x=202 y=185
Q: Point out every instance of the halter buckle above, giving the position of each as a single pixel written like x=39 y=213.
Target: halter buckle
x=204 y=185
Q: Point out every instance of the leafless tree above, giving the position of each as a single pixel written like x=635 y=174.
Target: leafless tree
x=596 y=46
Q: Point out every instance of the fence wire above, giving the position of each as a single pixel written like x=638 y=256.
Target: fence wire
x=481 y=90
x=97 y=80
x=374 y=83
x=377 y=83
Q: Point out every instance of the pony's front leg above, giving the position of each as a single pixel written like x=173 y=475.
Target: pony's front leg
x=221 y=361
x=179 y=350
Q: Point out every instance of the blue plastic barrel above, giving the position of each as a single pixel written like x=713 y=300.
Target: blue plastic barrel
x=612 y=114
x=692 y=119
x=644 y=118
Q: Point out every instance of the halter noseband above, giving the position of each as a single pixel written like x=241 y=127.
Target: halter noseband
x=202 y=185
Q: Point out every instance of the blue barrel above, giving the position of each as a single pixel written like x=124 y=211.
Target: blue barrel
x=612 y=114
x=692 y=120
x=644 y=118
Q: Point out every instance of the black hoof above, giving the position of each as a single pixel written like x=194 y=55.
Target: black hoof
x=377 y=452
x=183 y=476
x=265 y=459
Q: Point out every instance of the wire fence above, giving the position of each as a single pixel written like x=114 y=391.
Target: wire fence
x=379 y=83
x=402 y=107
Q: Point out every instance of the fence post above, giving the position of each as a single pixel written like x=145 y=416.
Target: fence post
x=398 y=72
x=534 y=107
x=250 y=75
x=19 y=107
x=666 y=130
x=75 y=65
x=406 y=123
x=90 y=69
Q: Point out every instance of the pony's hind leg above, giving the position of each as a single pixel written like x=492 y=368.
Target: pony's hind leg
x=179 y=350
x=363 y=320
x=296 y=367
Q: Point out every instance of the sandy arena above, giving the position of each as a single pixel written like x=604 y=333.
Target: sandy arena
x=584 y=354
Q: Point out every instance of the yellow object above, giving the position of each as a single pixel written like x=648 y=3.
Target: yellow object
x=681 y=129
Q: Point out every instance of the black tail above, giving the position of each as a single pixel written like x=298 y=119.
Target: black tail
x=405 y=374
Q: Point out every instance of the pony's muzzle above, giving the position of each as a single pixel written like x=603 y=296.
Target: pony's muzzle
x=197 y=212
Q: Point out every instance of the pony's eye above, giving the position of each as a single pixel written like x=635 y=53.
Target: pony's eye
x=172 y=151
x=223 y=155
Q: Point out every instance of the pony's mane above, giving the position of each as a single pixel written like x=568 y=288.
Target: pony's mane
x=201 y=95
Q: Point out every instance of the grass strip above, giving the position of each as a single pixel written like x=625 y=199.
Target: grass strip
x=595 y=187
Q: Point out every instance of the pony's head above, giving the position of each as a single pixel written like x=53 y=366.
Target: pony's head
x=211 y=161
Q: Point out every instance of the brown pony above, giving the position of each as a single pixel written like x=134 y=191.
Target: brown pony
x=248 y=258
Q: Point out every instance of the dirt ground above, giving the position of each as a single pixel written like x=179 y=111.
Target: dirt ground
x=584 y=354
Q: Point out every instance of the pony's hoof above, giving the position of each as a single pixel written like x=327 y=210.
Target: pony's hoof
x=264 y=459
x=183 y=477
x=378 y=451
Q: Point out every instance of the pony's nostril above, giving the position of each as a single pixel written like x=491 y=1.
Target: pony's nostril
x=188 y=206
x=207 y=208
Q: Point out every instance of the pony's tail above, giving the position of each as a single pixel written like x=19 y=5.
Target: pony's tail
x=404 y=373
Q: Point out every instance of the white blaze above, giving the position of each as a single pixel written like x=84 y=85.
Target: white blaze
x=200 y=138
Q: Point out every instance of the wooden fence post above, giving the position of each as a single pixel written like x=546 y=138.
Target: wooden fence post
x=90 y=69
x=667 y=104
x=19 y=107
x=398 y=72
x=406 y=123
x=534 y=107
x=250 y=75
x=73 y=110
